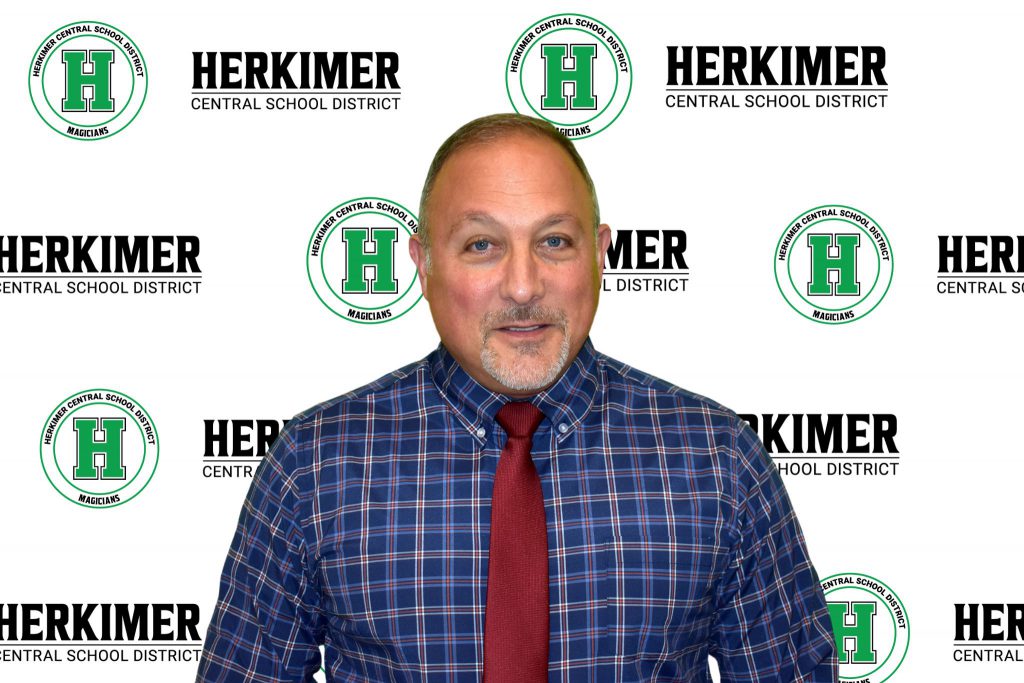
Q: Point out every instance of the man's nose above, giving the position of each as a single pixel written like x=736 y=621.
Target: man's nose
x=523 y=280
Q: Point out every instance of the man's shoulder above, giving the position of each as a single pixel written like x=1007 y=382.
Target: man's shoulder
x=638 y=385
x=680 y=411
x=407 y=380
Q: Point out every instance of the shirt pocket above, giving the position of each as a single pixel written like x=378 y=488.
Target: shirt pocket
x=659 y=593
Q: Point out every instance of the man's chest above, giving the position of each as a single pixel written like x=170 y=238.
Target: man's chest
x=634 y=547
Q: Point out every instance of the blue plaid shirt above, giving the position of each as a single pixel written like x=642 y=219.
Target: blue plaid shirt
x=670 y=538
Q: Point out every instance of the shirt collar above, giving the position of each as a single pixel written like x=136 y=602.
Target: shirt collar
x=565 y=404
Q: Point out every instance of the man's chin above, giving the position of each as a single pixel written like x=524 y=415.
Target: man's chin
x=525 y=366
x=519 y=379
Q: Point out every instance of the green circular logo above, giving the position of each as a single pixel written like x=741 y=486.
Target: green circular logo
x=870 y=626
x=88 y=80
x=99 y=448
x=572 y=71
x=833 y=264
x=356 y=260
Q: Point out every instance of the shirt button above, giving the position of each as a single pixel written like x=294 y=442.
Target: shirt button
x=563 y=428
x=481 y=432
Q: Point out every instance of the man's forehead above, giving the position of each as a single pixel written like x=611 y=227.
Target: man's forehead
x=522 y=167
x=485 y=219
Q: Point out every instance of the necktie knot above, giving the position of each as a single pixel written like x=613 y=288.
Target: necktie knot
x=520 y=419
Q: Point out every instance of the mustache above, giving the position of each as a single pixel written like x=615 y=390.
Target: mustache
x=524 y=313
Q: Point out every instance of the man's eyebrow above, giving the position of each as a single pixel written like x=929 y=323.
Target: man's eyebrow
x=557 y=218
x=476 y=217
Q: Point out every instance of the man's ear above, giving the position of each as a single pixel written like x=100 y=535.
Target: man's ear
x=604 y=239
x=418 y=254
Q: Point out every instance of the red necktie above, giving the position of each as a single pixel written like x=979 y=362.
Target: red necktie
x=516 y=621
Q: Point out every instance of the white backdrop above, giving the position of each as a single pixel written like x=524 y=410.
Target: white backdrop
x=942 y=157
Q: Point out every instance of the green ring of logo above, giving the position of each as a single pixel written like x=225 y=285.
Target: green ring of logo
x=128 y=106
x=782 y=291
x=625 y=51
x=309 y=270
x=62 y=404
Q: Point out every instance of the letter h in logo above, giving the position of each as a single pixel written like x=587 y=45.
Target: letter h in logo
x=358 y=259
x=110 y=448
x=861 y=631
x=845 y=263
x=76 y=80
x=581 y=75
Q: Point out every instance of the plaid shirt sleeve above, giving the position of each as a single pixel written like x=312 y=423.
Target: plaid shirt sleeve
x=772 y=623
x=267 y=627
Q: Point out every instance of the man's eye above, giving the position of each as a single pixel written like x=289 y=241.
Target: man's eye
x=554 y=242
x=480 y=245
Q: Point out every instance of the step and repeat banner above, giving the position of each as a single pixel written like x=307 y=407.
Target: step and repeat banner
x=814 y=223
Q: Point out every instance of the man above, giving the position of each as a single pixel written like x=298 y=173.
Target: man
x=517 y=506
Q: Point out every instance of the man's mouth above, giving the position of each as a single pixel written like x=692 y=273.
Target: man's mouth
x=527 y=324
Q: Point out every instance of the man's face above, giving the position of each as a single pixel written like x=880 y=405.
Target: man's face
x=515 y=267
